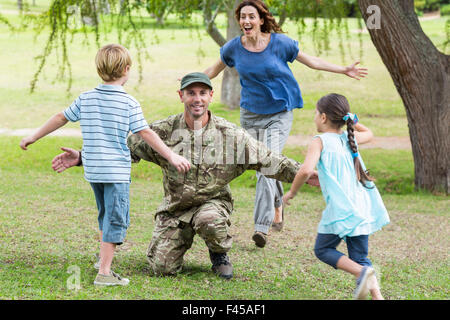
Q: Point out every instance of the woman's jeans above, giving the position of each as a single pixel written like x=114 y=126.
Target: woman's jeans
x=273 y=130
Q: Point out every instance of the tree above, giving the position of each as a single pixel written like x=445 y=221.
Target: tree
x=126 y=14
x=231 y=87
x=296 y=10
x=421 y=74
x=419 y=71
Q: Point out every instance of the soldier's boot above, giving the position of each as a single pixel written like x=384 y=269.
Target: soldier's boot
x=221 y=265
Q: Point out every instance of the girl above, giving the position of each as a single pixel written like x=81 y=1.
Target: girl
x=354 y=207
x=269 y=94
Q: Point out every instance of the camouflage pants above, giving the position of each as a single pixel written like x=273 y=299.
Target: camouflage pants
x=173 y=237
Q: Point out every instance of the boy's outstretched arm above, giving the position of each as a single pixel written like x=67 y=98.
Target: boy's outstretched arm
x=55 y=122
x=306 y=170
x=154 y=141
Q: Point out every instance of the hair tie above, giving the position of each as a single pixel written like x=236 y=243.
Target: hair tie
x=351 y=116
x=355 y=155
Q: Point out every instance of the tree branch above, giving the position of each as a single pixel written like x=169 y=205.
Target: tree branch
x=283 y=14
x=209 y=19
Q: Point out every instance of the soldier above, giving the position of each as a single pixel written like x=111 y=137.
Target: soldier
x=198 y=201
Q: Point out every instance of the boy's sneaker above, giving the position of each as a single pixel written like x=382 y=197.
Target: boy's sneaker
x=110 y=280
x=362 y=283
x=97 y=263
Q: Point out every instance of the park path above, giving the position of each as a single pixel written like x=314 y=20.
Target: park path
x=398 y=143
x=402 y=143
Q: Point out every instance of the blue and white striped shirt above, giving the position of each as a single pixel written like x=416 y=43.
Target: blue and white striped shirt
x=106 y=114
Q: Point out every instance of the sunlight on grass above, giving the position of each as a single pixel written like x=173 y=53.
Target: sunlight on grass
x=48 y=221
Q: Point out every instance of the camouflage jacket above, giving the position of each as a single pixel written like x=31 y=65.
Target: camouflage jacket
x=219 y=152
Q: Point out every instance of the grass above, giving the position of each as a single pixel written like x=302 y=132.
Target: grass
x=48 y=220
x=174 y=51
x=48 y=225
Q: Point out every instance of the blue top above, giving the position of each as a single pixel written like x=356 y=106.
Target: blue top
x=268 y=84
x=351 y=208
x=106 y=115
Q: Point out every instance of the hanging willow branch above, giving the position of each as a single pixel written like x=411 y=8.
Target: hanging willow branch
x=65 y=19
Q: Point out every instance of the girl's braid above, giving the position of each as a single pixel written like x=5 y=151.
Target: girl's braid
x=336 y=106
x=362 y=176
x=351 y=136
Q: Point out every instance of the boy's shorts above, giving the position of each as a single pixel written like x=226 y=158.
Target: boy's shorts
x=113 y=203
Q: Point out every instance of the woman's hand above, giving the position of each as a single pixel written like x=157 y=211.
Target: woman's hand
x=354 y=72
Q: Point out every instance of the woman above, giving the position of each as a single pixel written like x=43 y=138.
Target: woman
x=269 y=94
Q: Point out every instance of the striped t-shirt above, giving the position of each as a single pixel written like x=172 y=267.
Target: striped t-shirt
x=106 y=114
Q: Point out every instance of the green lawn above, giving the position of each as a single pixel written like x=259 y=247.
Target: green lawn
x=48 y=221
x=174 y=51
x=48 y=225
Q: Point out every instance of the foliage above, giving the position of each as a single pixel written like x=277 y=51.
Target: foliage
x=64 y=19
x=49 y=227
x=429 y=5
x=445 y=10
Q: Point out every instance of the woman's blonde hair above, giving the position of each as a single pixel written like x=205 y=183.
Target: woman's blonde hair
x=111 y=61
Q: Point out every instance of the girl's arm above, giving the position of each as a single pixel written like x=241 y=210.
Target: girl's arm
x=54 y=123
x=306 y=170
x=362 y=133
x=319 y=64
x=215 y=69
x=154 y=141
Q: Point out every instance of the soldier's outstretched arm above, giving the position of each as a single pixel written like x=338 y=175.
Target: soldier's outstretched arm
x=69 y=158
x=260 y=158
x=271 y=164
x=139 y=149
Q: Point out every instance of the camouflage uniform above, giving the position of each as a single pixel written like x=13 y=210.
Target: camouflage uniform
x=200 y=201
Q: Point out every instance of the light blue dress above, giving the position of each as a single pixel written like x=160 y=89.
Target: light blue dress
x=352 y=209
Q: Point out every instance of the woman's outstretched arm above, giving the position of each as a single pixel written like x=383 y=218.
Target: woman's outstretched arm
x=215 y=69
x=319 y=64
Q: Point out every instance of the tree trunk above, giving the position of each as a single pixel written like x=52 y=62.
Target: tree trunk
x=231 y=86
x=421 y=75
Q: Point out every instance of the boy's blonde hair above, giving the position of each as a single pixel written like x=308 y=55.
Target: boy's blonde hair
x=111 y=61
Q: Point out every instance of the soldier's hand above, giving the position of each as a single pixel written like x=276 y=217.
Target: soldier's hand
x=313 y=180
x=66 y=160
x=180 y=163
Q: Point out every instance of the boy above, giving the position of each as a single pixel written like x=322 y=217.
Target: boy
x=106 y=115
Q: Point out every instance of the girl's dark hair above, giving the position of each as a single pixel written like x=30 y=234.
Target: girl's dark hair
x=269 y=24
x=336 y=106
